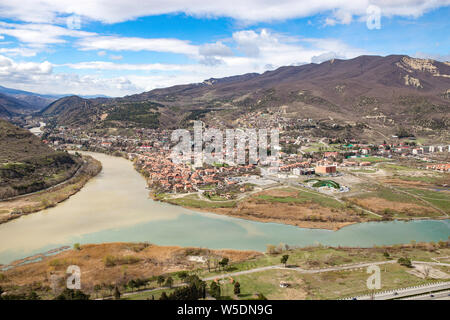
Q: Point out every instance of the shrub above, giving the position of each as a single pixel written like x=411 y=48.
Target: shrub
x=405 y=262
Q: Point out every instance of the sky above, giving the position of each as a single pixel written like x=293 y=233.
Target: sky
x=117 y=48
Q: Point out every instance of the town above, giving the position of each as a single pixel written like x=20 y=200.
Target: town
x=150 y=150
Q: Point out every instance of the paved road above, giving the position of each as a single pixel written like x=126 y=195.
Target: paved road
x=432 y=263
x=445 y=295
x=405 y=292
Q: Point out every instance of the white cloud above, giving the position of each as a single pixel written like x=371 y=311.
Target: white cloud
x=116 y=43
x=106 y=65
x=116 y=57
x=39 y=35
x=21 y=70
x=217 y=49
x=39 y=77
x=259 y=51
x=325 y=57
x=18 y=51
x=112 y=11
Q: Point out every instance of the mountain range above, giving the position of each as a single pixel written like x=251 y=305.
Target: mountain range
x=19 y=101
x=373 y=92
x=15 y=102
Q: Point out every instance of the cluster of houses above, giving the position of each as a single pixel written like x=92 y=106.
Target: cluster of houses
x=151 y=150
x=444 y=167
x=430 y=149
x=167 y=176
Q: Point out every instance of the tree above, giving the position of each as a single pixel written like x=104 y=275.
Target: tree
x=195 y=290
x=169 y=282
x=97 y=287
x=405 y=262
x=116 y=293
x=164 y=296
x=110 y=287
x=224 y=262
x=76 y=246
x=214 y=290
x=160 y=280
x=237 y=288
x=284 y=259
x=33 y=296
x=131 y=284
x=183 y=275
x=70 y=294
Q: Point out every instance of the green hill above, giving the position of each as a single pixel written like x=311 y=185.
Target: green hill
x=28 y=165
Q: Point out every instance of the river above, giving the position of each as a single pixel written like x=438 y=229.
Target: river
x=114 y=206
x=37 y=130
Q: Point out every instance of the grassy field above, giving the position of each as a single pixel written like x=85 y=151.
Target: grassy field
x=326 y=285
x=393 y=202
x=370 y=159
x=427 y=179
x=151 y=261
x=266 y=283
x=147 y=295
x=320 y=147
x=324 y=257
x=395 y=167
x=303 y=196
x=440 y=199
x=342 y=284
x=364 y=170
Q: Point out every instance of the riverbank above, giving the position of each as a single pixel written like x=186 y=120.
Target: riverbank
x=286 y=205
x=37 y=201
x=115 y=207
x=114 y=263
x=306 y=208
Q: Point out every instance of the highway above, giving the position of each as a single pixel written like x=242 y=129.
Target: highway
x=425 y=290
x=445 y=295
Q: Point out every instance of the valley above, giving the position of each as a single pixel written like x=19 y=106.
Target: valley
x=362 y=177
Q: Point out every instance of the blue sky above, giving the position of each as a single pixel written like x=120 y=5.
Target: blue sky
x=122 y=47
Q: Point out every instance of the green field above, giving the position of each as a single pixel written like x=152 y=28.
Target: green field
x=341 y=284
x=440 y=199
x=396 y=167
x=304 y=197
x=193 y=201
x=320 y=147
x=325 y=285
x=371 y=159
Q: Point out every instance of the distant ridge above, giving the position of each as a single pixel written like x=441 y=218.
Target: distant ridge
x=397 y=90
